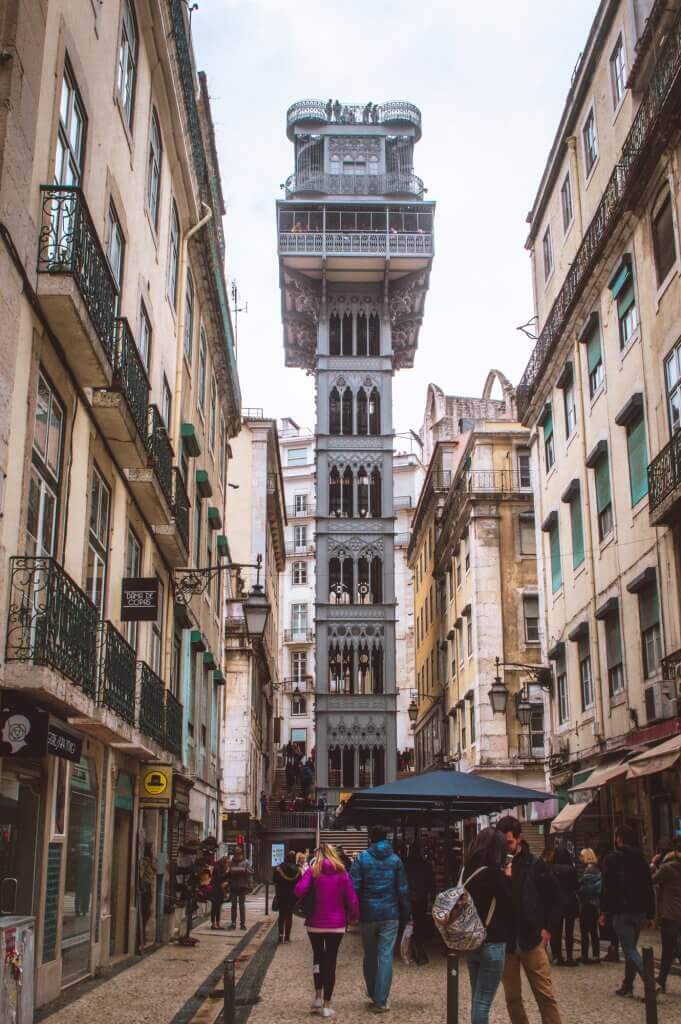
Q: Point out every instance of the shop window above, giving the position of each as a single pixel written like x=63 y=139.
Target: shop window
x=79 y=897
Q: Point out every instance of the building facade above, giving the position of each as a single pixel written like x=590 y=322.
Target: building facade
x=355 y=243
x=119 y=394
x=600 y=396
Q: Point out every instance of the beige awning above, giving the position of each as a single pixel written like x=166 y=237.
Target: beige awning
x=657 y=759
x=565 y=820
x=601 y=776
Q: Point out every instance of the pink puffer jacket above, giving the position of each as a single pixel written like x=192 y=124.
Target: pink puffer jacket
x=336 y=904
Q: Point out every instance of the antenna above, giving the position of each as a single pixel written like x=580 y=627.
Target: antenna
x=236 y=309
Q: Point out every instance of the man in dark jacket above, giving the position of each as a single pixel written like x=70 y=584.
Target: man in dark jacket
x=667 y=880
x=535 y=899
x=380 y=882
x=627 y=895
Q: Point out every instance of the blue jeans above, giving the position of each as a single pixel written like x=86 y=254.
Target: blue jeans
x=627 y=928
x=485 y=968
x=378 y=939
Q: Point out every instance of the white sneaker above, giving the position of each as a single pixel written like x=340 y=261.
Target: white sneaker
x=316 y=1006
x=328 y=1012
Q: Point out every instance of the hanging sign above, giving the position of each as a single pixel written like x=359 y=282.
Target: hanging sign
x=27 y=730
x=139 y=599
x=156 y=785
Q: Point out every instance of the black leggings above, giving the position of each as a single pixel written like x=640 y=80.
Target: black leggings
x=588 y=925
x=325 y=946
x=567 y=923
x=285 y=923
x=215 y=908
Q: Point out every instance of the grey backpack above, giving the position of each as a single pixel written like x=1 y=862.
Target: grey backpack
x=457 y=919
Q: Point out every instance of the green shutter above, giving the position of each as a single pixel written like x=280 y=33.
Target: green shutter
x=648 y=609
x=593 y=350
x=621 y=278
x=577 y=531
x=637 y=451
x=626 y=299
x=548 y=424
x=613 y=640
x=602 y=471
x=556 y=574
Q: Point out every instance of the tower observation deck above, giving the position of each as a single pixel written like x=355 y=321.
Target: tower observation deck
x=355 y=245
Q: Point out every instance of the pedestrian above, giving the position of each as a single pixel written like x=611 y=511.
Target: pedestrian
x=285 y=877
x=565 y=873
x=534 y=897
x=240 y=873
x=147 y=877
x=606 y=931
x=380 y=881
x=264 y=804
x=490 y=889
x=302 y=862
x=219 y=882
x=421 y=881
x=589 y=895
x=335 y=907
x=627 y=895
x=328 y=109
x=667 y=880
x=322 y=804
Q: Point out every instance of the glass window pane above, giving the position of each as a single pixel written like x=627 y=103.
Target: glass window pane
x=54 y=438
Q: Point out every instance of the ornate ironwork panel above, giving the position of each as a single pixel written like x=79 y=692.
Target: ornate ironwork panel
x=354 y=113
x=117 y=673
x=664 y=473
x=151 y=703
x=393 y=183
x=181 y=506
x=130 y=375
x=173 y=724
x=51 y=621
x=160 y=452
x=185 y=64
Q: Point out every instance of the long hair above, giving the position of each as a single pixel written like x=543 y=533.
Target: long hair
x=488 y=849
x=327 y=852
x=587 y=856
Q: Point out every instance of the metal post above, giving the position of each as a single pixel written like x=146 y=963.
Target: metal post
x=229 y=996
x=267 y=899
x=649 y=985
x=452 y=989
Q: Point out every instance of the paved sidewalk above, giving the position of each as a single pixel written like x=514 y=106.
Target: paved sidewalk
x=585 y=993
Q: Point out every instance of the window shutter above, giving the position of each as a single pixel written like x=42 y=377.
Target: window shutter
x=602 y=483
x=577 y=531
x=593 y=350
x=613 y=641
x=548 y=424
x=556 y=574
x=626 y=298
x=622 y=278
x=648 y=609
x=637 y=450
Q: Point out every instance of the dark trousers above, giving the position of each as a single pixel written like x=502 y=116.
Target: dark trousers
x=567 y=925
x=325 y=946
x=285 y=923
x=670 y=931
x=216 y=908
x=419 y=909
x=588 y=927
x=628 y=927
x=240 y=898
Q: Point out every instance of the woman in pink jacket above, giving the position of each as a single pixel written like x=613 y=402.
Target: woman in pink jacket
x=335 y=907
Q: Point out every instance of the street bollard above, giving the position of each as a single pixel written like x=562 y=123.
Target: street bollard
x=452 y=988
x=267 y=899
x=229 y=996
x=649 y=985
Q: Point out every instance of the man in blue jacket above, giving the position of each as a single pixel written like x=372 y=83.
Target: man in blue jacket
x=380 y=881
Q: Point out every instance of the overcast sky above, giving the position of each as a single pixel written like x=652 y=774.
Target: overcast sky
x=490 y=80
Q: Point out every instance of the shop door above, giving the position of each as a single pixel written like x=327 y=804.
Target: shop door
x=121 y=856
x=20 y=798
x=78 y=908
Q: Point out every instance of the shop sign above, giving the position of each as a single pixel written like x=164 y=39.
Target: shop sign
x=139 y=599
x=156 y=785
x=29 y=731
x=278 y=854
x=62 y=742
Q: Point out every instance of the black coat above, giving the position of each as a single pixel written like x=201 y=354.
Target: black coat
x=627 y=884
x=421 y=878
x=285 y=878
x=567 y=882
x=535 y=900
x=491 y=884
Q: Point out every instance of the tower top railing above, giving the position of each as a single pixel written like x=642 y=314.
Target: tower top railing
x=334 y=112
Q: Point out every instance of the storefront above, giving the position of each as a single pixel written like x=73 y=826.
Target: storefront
x=80 y=842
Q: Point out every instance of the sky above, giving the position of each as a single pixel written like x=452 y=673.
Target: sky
x=490 y=80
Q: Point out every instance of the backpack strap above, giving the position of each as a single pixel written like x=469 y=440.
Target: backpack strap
x=493 y=904
x=471 y=877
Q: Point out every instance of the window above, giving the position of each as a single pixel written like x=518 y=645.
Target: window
x=590 y=143
x=528 y=540
x=594 y=359
x=637 y=455
x=144 y=338
x=299 y=573
x=213 y=414
x=549 y=442
x=201 y=383
x=208 y=592
x=566 y=202
x=457 y=564
x=603 y=496
x=300 y=538
x=41 y=522
x=115 y=247
x=189 y=318
x=577 y=530
x=562 y=691
x=154 y=168
x=466 y=553
x=296 y=457
x=664 y=240
x=524 y=469
x=537 y=731
x=70 y=149
x=173 y=254
x=554 y=549
x=127 y=61
x=618 y=72
x=300 y=503
x=299 y=665
x=133 y=567
x=470 y=704
x=223 y=452
x=469 y=636
x=547 y=253
x=570 y=408
x=166 y=403
x=298 y=705
x=585 y=678
x=198 y=508
x=463 y=725
x=156 y=652
x=672 y=373
x=531 y=618
x=459 y=640
x=651 y=637
x=613 y=653
x=624 y=294
x=299 y=618
x=98 y=540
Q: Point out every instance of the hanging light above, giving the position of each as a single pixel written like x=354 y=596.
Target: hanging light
x=256 y=609
x=413 y=712
x=523 y=708
x=498 y=694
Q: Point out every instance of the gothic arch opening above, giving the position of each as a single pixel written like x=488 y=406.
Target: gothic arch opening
x=362 y=412
x=347 y=334
x=374 y=335
x=346 y=412
x=334 y=412
x=374 y=413
x=375 y=502
x=362 y=334
x=334 y=334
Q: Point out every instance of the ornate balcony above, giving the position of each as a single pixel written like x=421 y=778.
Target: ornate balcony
x=355 y=243
x=173 y=539
x=51 y=622
x=75 y=284
x=391 y=112
x=301 y=513
x=153 y=485
x=151 y=703
x=303 y=683
x=664 y=484
x=173 y=725
x=117 y=673
x=299 y=636
x=122 y=410
x=395 y=183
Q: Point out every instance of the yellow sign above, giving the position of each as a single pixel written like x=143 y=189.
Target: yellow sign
x=156 y=785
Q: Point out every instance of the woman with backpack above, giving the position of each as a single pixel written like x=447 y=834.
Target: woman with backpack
x=490 y=890
x=285 y=878
x=589 y=894
x=333 y=905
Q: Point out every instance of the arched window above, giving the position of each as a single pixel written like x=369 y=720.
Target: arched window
x=364 y=669
x=374 y=412
x=377 y=669
x=335 y=412
x=346 y=494
x=375 y=502
x=335 y=766
x=377 y=766
x=341 y=573
x=374 y=335
x=154 y=163
x=362 y=493
x=347 y=334
x=363 y=582
x=364 y=780
x=341 y=668
x=664 y=235
x=346 y=412
x=334 y=492
x=334 y=334
x=376 y=580
x=298 y=705
x=362 y=334
x=362 y=412
x=348 y=767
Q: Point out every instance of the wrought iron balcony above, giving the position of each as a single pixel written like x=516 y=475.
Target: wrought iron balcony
x=403 y=501
x=130 y=375
x=51 y=621
x=664 y=484
x=173 y=724
x=68 y=245
x=299 y=636
x=181 y=506
x=302 y=683
x=160 y=452
x=671 y=668
x=301 y=513
x=355 y=243
x=151 y=703
x=392 y=183
x=391 y=112
x=117 y=673
x=626 y=181
x=300 y=549
x=235 y=626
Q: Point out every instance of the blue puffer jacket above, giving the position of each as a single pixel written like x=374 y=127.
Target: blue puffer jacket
x=380 y=881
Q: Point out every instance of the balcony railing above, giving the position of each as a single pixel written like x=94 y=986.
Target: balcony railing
x=300 y=549
x=152 y=706
x=299 y=636
x=235 y=626
x=301 y=513
x=130 y=375
x=624 y=181
x=392 y=183
x=442 y=479
x=181 y=506
x=671 y=668
x=402 y=540
x=292 y=820
x=160 y=452
x=361 y=243
x=68 y=244
x=403 y=501
x=392 y=112
x=664 y=474
x=51 y=621
x=173 y=724
x=301 y=683
x=117 y=673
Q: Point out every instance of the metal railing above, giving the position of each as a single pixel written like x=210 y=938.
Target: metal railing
x=671 y=667
x=299 y=636
x=173 y=724
x=664 y=473
x=151 y=703
x=294 y=820
x=302 y=683
x=403 y=501
x=252 y=412
x=442 y=479
x=392 y=112
x=300 y=549
x=160 y=452
x=117 y=673
x=301 y=513
x=51 y=621
x=130 y=375
x=392 y=183
x=181 y=506
x=68 y=244
x=363 y=243
x=624 y=179
x=235 y=626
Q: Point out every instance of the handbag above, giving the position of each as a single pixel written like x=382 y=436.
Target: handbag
x=275 y=905
x=305 y=906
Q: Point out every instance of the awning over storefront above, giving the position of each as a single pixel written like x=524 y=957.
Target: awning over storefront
x=565 y=821
x=602 y=775
x=657 y=759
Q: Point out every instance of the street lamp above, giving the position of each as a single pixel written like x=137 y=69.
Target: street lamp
x=413 y=711
x=523 y=707
x=256 y=609
x=498 y=694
